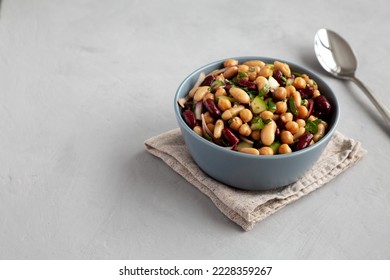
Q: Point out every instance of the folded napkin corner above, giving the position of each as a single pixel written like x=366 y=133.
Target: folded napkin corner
x=247 y=208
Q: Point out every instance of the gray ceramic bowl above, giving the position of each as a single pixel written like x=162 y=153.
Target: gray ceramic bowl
x=253 y=172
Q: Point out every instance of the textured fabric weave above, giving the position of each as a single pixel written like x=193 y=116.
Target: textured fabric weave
x=246 y=208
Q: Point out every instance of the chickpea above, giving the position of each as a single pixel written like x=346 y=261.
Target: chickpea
x=252 y=74
x=266 y=71
x=286 y=137
x=281 y=107
x=232 y=112
x=209 y=96
x=198 y=130
x=266 y=151
x=316 y=93
x=261 y=82
x=243 y=68
x=208 y=118
x=305 y=76
x=290 y=89
x=230 y=62
x=210 y=126
x=220 y=92
x=235 y=123
x=266 y=115
x=286 y=117
x=301 y=122
x=292 y=126
x=302 y=111
x=224 y=104
x=299 y=133
x=299 y=82
x=245 y=130
x=280 y=93
x=246 y=115
x=255 y=135
x=283 y=67
x=310 y=82
x=284 y=149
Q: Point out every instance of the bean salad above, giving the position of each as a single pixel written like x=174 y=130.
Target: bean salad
x=257 y=108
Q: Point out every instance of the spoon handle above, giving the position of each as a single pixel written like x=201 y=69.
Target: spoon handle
x=381 y=108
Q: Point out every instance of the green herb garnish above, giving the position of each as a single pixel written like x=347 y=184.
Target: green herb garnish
x=312 y=126
x=216 y=84
x=257 y=123
x=264 y=90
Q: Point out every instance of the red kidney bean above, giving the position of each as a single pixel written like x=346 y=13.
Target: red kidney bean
x=278 y=76
x=208 y=81
x=229 y=136
x=189 y=118
x=306 y=92
x=228 y=86
x=189 y=105
x=212 y=107
x=304 y=141
x=322 y=105
x=248 y=84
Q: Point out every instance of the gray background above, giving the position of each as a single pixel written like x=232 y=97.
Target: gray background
x=84 y=83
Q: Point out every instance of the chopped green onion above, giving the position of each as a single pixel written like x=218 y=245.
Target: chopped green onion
x=216 y=84
x=291 y=105
x=296 y=74
x=267 y=121
x=242 y=75
x=271 y=105
x=264 y=90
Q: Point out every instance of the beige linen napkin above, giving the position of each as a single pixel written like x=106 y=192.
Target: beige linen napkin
x=246 y=208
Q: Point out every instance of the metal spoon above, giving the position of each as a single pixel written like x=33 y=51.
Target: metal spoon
x=337 y=57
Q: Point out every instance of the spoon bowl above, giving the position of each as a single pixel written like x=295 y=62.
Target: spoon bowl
x=337 y=57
